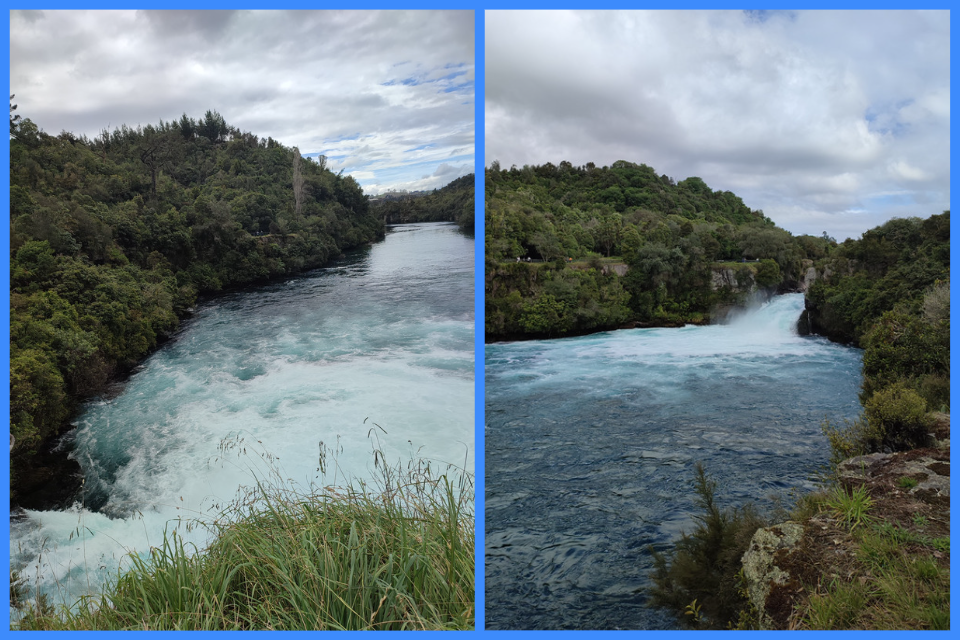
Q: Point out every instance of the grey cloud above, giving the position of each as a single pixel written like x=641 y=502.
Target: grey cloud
x=303 y=78
x=179 y=23
x=745 y=101
x=29 y=15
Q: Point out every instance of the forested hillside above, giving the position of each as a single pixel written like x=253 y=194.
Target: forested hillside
x=620 y=244
x=112 y=240
x=889 y=292
x=452 y=203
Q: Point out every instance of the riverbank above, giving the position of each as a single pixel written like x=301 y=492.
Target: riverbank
x=665 y=321
x=395 y=554
x=50 y=478
x=869 y=551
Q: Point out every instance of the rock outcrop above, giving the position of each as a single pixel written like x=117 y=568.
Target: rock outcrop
x=762 y=570
x=787 y=563
x=739 y=280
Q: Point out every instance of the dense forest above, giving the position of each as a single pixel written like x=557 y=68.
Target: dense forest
x=113 y=238
x=573 y=249
x=452 y=203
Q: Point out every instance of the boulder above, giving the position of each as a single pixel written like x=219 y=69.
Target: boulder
x=761 y=568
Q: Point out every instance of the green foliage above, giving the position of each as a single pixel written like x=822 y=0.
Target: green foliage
x=898 y=419
x=768 y=273
x=666 y=236
x=852 y=438
x=113 y=239
x=911 y=345
x=850 y=507
x=907 y=482
x=894 y=265
x=904 y=590
x=704 y=567
x=539 y=299
x=894 y=419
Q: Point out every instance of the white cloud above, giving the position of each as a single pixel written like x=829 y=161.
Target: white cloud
x=799 y=113
x=306 y=78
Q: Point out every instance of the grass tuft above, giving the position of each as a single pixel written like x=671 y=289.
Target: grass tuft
x=850 y=507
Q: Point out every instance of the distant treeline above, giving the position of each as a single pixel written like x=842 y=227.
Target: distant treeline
x=112 y=239
x=623 y=244
x=452 y=203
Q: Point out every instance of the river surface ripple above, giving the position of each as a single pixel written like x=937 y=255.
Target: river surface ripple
x=253 y=384
x=591 y=443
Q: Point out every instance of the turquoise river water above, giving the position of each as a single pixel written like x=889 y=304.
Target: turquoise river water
x=256 y=383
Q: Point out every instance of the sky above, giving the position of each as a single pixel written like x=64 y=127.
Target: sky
x=827 y=121
x=387 y=96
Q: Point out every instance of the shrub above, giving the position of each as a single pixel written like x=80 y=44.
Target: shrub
x=850 y=506
x=852 y=438
x=897 y=415
x=903 y=347
x=768 y=273
x=894 y=419
x=701 y=574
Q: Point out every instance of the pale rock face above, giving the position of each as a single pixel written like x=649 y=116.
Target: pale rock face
x=759 y=564
x=809 y=277
x=619 y=269
x=720 y=278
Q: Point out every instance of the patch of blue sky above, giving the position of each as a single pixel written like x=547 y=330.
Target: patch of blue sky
x=412 y=81
x=420 y=148
x=762 y=15
x=451 y=76
x=893 y=199
x=884 y=119
x=459 y=87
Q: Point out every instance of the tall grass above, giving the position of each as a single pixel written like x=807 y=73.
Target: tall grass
x=394 y=554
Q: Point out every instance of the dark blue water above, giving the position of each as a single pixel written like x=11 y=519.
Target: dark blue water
x=591 y=444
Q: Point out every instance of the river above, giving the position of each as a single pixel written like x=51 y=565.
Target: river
x=375 y=351
x=591 y=444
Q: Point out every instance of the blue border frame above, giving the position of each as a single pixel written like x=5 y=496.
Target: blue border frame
x=479 y=207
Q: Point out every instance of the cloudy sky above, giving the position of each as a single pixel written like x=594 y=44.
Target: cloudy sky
x=828 y=121
x=386 y=96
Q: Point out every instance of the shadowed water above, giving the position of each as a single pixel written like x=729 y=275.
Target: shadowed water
x=591 y=442
x=260 y=380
